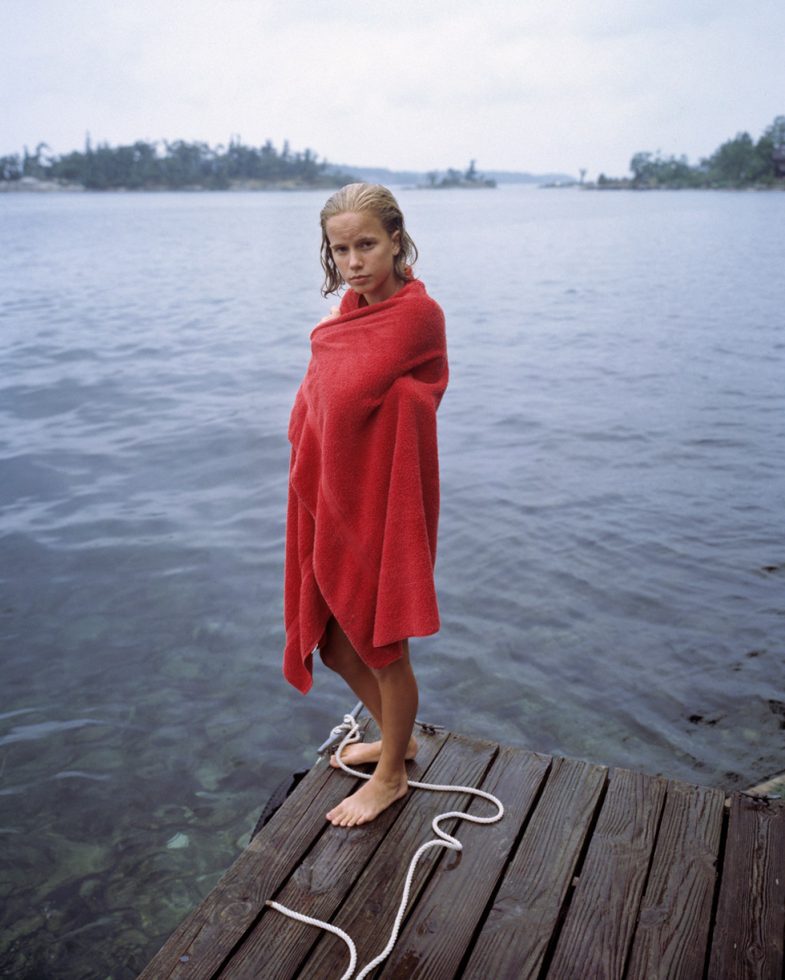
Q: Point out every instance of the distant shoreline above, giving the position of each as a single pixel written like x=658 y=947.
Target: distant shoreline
x=31 y=185
x=664 y=187
x=623 y=184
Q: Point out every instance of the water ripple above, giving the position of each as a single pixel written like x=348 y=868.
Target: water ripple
x=611 y=541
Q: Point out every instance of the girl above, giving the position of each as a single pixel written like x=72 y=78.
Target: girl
x=364 y=484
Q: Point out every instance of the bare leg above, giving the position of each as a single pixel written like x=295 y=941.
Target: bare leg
x=339 y=655
x=399 y=700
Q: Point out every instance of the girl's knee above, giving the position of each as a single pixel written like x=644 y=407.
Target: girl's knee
x=335 y=650
x=329 y=657
x=401 y=663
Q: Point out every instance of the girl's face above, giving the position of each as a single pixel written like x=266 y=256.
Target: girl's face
x=364 y=254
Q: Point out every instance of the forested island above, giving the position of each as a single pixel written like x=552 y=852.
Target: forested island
x=740 y=162
x=178 y=165
x=469 y=178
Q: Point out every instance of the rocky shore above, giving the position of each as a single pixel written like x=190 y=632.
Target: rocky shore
x=34 y=185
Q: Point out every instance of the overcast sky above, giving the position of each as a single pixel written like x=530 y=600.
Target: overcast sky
x=536 y=85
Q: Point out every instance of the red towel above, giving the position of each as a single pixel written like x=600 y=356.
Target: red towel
x=363 y=502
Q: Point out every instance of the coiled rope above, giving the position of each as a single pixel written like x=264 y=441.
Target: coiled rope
x=445 y=840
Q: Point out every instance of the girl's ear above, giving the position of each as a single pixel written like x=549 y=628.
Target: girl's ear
x=396 y=240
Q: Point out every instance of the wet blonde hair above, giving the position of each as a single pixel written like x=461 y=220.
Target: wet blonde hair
x=380 y=201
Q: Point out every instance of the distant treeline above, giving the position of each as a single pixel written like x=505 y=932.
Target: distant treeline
x=470 y=177
x=739 y=162
x=152 y=166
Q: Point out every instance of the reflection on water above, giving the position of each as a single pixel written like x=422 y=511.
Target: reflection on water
x=611 y=553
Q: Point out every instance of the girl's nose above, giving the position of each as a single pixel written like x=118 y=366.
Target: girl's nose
x=355 y=260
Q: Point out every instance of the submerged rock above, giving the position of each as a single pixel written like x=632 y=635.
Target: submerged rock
x=178 y=842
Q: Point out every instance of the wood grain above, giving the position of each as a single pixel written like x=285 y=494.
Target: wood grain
x=526 y=910
x=671 y=939
x=601 y=920
x=439 y=930
x=750 y=923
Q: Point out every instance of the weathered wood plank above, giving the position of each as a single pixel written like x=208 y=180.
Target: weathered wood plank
x=277 y=945
x=597 y=931
x=439 y=929
x=526 y=910
x=198 y=947
x=750 y=923
x=671 y=938
x=370 y=908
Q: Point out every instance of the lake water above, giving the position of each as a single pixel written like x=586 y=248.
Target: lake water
x=611 y=562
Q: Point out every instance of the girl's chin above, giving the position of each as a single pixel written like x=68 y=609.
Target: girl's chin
x=362 y=290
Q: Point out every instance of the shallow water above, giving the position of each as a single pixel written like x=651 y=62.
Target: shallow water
x=611 y=552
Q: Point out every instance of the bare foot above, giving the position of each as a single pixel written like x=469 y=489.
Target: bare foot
x=368 y=802
x=358 y=752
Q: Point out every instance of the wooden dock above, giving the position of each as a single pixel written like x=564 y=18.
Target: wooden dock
x=593 y=872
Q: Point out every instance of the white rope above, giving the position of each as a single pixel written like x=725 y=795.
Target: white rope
x=445 y=840
x=323 y=925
